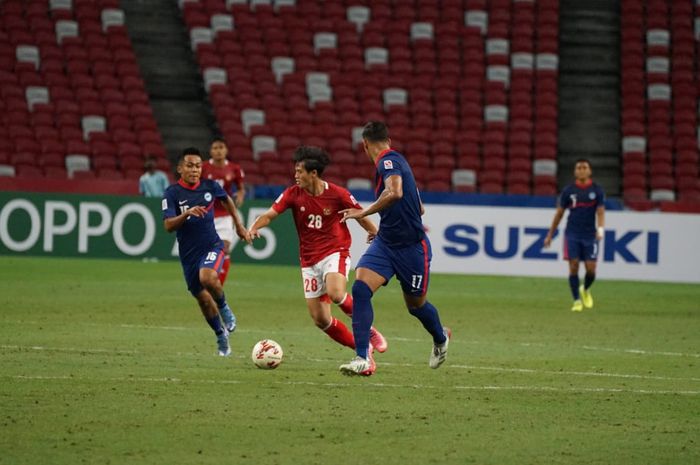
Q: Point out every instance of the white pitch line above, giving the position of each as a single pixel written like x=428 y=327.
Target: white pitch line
x=573 y=373
x=400 y=339
x=365 y=384
x=641 y=352
x=321 y=360
x=541 y=344
x=68 y=349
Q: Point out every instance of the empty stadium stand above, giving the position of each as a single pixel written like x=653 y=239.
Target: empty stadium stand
x=468 y=88
x=73 y=101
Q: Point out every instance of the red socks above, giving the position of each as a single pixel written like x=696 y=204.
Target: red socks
x=340 y=333
x=224 y=269
x=346 y=304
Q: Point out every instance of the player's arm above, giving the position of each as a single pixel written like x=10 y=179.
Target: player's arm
x=369 y=226
x=392 y=193
x=175 y=222
x=241 y=231
x=600 y=220
x=420 y=202
x=555 y=224
x=240 y=193
x=262 y=221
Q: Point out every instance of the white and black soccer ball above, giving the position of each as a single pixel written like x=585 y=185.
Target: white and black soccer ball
x=267 y=354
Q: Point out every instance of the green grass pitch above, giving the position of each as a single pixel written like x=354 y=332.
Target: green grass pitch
x=110 y=362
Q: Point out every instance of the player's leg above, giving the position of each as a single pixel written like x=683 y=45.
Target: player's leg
x=320 y=312
x=209 y=278
x=226 y=265
x=590 y=257
x=206 y=305
x=412 y=266
x=373 y=270
x=335 y=278
x=574 y=285
x=211 y=314
x=319 y=305
x=224 y=228
x=572 y=253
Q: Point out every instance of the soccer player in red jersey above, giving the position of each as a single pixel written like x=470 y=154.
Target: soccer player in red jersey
x=227 y=174
x=324 y=242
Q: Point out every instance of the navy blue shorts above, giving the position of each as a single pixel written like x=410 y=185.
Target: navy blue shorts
x=213 y=259
x=577 y=248
x=410 y=264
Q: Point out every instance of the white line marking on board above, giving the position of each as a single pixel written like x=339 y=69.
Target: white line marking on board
x=372 y=384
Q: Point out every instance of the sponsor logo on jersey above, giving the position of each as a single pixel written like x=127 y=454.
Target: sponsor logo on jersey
x=388 y=165
x=302 y=209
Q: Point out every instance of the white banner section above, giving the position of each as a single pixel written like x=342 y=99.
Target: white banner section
x=510 y=241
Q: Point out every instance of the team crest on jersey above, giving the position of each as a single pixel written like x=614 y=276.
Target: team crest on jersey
x=207 y=197
x=302 y=209
x=326 y=211
x=388 y=165
x=591 y=195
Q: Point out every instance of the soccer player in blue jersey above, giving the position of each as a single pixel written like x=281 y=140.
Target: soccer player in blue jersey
x=586 y=203
x=400 y=248
x=188 y=209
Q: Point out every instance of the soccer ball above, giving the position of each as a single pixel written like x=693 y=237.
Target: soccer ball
x=267 y=354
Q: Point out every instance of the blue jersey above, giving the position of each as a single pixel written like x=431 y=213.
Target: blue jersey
x=401 y=223
x=582 y=200
x=196 y=236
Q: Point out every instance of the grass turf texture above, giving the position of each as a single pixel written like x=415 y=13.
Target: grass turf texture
x=111 y=362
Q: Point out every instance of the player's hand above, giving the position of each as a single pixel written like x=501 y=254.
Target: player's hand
x=370 y=237
x=351 y=214
x=547 y=241
x=254 y=233
x=244 y=234
x=239 y=200
x=197 y=211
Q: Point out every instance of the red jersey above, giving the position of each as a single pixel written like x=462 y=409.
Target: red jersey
x=227 y=175
x=317 y=220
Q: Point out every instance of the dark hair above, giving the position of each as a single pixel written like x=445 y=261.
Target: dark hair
x=217 y=139
x=313 y=158
x=375 y=131
x=189 y=151
x=584 y=160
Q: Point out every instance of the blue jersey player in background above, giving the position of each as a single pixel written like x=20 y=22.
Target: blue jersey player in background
x=586 y=203
x=400 y=248
x=188 y=209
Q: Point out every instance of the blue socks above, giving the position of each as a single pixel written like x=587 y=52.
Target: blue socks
x=362 y=316
x=574 y=284
x=588 y=280
x=428 y=316
x=220 y=301
x=215 y=324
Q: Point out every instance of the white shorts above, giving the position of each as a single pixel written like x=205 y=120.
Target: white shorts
x=314 y=277
x=224 y=228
